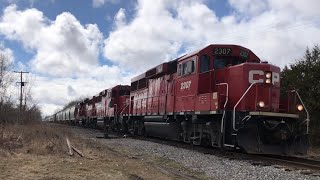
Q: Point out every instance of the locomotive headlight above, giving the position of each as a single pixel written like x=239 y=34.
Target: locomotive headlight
x=268 y=81
x=300 y=107
x=261 y=104
x=268 y=75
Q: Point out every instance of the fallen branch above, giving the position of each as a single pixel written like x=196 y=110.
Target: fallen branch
x=77 y=151
x=69 y=147
x=19 y=138
x=45 y=132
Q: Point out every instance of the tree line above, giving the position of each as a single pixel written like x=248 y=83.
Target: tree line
x=304 y=76
x=9 y=110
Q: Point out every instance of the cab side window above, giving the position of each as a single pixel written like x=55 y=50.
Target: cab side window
x=187 y=67
x=204 y=63
x=180 y=70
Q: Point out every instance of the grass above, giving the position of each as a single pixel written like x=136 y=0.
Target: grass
x=35 y=138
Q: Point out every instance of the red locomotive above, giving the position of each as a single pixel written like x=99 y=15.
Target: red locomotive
x=104 y=108
x=221 y=95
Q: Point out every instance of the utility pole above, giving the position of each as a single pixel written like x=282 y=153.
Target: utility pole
x=21 y=86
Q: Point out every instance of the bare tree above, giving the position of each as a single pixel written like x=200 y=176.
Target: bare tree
x=8 y=109
x=5 y=81
x=32 y=111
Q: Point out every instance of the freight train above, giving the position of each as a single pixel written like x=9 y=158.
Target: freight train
x=223 y=96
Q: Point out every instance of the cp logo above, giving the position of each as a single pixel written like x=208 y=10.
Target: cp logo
x=258 y=76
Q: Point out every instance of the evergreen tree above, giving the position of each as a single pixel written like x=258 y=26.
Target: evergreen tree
x=304 y=76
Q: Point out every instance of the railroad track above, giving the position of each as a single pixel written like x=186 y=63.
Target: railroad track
x=288 y=163
x=293 y=162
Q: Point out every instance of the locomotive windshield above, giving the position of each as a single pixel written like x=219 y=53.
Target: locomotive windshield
x=222 y=62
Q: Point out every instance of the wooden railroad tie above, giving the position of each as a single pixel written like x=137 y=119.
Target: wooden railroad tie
x=72 y=148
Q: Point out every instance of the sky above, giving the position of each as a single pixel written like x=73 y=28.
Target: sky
x=76 y=49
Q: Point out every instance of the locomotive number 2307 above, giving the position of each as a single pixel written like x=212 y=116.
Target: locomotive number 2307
x=222 y=51
x=185 y=85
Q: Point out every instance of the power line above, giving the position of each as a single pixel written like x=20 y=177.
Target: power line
x=22 y=84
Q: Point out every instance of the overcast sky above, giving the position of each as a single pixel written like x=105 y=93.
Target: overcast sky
x=78 y=48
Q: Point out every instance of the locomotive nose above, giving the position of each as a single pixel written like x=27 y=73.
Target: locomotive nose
x=270 y=136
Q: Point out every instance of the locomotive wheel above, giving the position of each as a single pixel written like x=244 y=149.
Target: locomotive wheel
x=215 y=134
x=216 y=139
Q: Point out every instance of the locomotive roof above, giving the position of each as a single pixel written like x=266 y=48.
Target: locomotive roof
x=197 y=51
x=136 y=78
x=143 y=75
x=120 y=86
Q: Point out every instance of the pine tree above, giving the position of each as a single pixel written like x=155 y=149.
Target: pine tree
x=304 y=76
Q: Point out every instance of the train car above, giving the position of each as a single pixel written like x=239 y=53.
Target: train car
x=103 y=109
x=152 y=102
x=91 y=118
x=223 y=96
x=47 y=119
x=55 y=118
x=52 y=118
x=60 y=117
x=71 y=115
x=83 y=113
x=117 y=106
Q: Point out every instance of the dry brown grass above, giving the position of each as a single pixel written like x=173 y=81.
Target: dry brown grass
x=39 y=151
x=39 y=139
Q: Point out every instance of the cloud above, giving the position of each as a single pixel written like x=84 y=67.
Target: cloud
x=249 y=7
x=120 y=18
x=66 y=52
x=62 y=47
x=99 y=3
x=65 y=65
x=53 y=93
x=7 y=52
x=152 y=37
x=277 y=31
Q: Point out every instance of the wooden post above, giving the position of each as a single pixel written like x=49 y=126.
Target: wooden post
x=77 y=151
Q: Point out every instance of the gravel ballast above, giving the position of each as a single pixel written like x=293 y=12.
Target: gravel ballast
x=214 y=167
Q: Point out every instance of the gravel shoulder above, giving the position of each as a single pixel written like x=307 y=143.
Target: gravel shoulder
x=211 y=166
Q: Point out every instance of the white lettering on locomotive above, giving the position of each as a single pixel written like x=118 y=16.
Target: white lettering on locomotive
x=275 y=76
x=185 y=85
x=252 y=73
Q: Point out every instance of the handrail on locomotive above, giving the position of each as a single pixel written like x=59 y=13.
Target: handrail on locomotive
x=307 y=112
x=295 y=91
x=225 y=104
x=234 y=108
